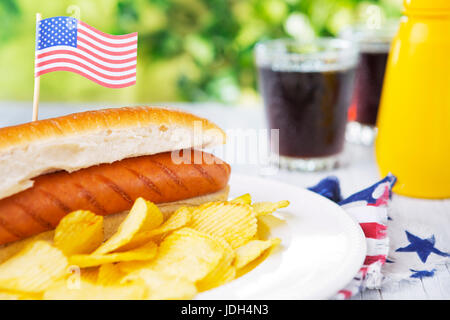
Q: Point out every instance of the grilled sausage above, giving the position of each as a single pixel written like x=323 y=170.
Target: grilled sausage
x=106 y=189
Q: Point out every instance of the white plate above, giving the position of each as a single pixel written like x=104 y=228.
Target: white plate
x=322 y=248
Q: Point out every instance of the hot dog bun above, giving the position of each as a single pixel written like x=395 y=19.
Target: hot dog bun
x=85 y=139
x=103 y=161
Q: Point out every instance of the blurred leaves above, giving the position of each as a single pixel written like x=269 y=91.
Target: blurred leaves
x=9 y=16
x=193 y=50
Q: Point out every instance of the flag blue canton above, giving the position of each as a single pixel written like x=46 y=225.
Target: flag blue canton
x=57 y=31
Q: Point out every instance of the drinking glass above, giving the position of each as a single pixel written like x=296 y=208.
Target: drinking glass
x=307 y=89
x=373 y=42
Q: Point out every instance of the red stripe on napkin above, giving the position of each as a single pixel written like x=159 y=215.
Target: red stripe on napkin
x=374 y=230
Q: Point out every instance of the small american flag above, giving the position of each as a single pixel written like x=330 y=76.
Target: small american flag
x=67 y=44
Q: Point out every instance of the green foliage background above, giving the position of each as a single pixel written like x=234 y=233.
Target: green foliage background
x=188 y=50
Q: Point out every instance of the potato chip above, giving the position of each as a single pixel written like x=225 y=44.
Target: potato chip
x=252 y=250
x=89 y=274
x=91 y=291
x=177 y=220
x=143 y=216
x=109 y=274
x=244 y=199
x=200 y=248
x=9 y=250
x=154 y=216
x=79 y=232
x=16 y=295
x=228 y=274
x=131 y=266
x=33 y=269
x=263 y=231
x=145 y=252
x=265 y=224
x=234 y=222
x=5 y=295
x=162 y=286
x=253 y=264
x=189 y=254
x=263 y=208
x=224 y=272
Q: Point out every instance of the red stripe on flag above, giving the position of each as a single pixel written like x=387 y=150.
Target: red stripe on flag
x=123 y=77
x=371 y=259
x=105 y=84
x=112 y=53
x=122 y=36
x=76 y=54
x=106 y=43
x=374 y=230
x=101 y=57
x=44 y=63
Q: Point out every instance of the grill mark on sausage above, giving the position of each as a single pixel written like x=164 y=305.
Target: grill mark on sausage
x=223 y=167
x=115 y=188
x=33 y=215
x=172 y=175
x=145 y=180
x=91 y=198
x=56 y=201
x=11 y=230
x=205 y=174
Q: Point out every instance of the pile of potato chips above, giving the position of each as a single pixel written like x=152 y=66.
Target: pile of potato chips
x=195 y=249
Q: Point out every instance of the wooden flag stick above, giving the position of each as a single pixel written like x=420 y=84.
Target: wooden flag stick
x=37 y=80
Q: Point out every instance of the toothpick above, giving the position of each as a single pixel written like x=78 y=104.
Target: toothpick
x=37 y=80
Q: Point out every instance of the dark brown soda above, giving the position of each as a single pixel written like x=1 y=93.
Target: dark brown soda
x=309 y=109
x=369 y=85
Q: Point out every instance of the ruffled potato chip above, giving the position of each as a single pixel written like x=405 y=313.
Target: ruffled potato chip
x=162 y=286
x=265 y=224
x=143 y=253
x=34 y=269
x=89 y=274
x=11 y=295
x=263 y=208
x=5 y=295
x=79 y=232
x=226 y=275
x=244 y=199
x=143 y=216
x=131 y=266
x=187 y=253
x=253 y=264
x=177 y=220
x=252 y=250
x=234 y=222
x=196 y=249
x=109 y=274
x=91 y=291
x=11 y=249
x=224 y=272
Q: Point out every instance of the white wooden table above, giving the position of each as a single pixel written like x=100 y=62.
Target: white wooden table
x=360 y=172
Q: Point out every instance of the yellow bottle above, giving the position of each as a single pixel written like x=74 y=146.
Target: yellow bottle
x=414 y=119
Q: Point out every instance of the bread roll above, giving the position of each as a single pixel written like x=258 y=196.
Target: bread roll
x=81 y=140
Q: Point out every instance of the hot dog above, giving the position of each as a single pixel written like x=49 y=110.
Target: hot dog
x=108 y=188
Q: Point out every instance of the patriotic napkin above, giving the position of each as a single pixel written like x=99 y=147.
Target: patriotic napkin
x=369 y=208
